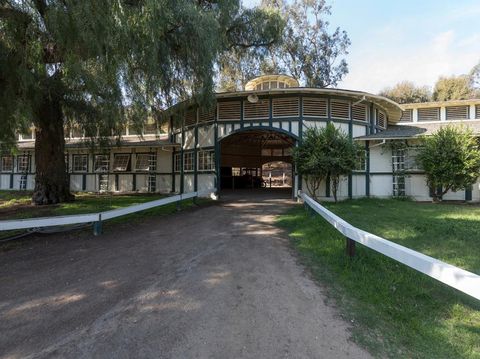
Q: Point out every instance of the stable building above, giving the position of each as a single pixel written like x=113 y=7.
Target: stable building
x=246 y=141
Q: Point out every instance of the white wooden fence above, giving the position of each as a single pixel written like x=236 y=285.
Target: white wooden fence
x=464 y=281
x=95 y=218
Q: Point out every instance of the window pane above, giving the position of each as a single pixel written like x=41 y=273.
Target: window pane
x=101 y=163
x=7 y=164
x=22 y=163
x=178 y=162
x=80 y=163
x=120 y=162
x=188 y=161
x=206 y=160
x=143 y=162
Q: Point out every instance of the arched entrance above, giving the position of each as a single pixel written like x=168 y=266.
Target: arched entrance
x=244 y=154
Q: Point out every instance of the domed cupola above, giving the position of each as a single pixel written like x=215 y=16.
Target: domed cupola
x=271 y=82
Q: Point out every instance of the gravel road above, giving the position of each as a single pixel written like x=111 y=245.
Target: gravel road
x=213 y=282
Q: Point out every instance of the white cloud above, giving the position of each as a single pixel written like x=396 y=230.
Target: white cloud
x=374 y=67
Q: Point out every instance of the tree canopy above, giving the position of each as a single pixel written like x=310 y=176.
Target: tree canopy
x=308 y=50
x=453 y=88
x=407 y=92
x=450 y=159
x=103 y=64
x=325 y=153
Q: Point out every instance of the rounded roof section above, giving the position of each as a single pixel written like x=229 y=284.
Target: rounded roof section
x=392 y=108
x=284 y=79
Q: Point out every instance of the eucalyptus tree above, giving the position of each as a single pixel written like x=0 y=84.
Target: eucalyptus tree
x=407 y=92
x=308 y=50
x=102 y=64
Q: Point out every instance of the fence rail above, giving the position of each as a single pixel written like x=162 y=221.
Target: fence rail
x=460 y=279
x=95 y=218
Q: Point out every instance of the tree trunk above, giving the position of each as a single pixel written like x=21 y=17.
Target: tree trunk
x=51 y=180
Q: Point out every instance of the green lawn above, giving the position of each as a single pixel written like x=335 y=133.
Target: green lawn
x=396 y=311
x=17 y=204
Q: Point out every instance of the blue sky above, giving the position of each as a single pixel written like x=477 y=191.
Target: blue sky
x=406 y=40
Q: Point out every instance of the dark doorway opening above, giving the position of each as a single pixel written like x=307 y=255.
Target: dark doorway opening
x=256 y=159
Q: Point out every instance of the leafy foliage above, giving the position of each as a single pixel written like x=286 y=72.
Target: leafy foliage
x=326 y=152
x=450 y=159
x=101 y=65
x=453 y=88
x=307 y=51
x=407 y=92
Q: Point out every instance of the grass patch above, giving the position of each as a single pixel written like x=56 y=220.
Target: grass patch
x=14 y=205
x=396 y=311
x=17 y=204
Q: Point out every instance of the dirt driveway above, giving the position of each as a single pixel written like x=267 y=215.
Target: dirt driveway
x=213 y=282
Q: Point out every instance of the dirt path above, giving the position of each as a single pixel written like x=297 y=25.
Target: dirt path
x=215 y=282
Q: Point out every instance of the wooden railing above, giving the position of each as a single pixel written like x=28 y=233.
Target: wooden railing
x=460 y=279
x=96 y=218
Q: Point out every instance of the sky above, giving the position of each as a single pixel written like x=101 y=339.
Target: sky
x=410 y=40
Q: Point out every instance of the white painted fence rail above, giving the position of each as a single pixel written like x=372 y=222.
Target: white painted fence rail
x=95 y=217
x=462 y=280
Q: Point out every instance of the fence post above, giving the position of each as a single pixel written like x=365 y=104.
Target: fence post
x=350 y=248
x=97 y=226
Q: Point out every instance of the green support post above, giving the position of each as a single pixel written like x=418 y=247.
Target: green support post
x=97 y=226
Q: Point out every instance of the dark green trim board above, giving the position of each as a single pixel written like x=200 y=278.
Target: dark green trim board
x=468 y=194
x=270 y=112
x=195 y=158
x=371 y=114
x=84 y=182
x=367 y=172
x=300 y=136
x=350 y=134
x=182 y=164
x=217 y=154
x=327 y=187
x=241 y=114
x=134 y=182
x=11 y=181
x=350 y=186
x=116 y=182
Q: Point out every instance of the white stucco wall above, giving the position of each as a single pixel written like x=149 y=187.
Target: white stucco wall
x=381 y=185
x=380 y=160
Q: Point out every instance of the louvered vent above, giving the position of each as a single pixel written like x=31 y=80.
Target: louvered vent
x=407 y=116
x=359 y=112
x=381 y=119
x=258 y=110
x=457 y=112
x=229 y=111
x=206 y=115
x=339 y=109
x=315 y=107
x=429 y=114
x=477 y=111
x=285 y=107
x=190 y=117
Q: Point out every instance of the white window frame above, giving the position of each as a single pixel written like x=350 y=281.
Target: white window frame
x=188 y=161
x=361 y=165
x=2 y=164
x=102 y=158
x=84 y=167
x=177 y=162
x=121 y=162
x=146 y=165
x=206 y=160
x=23 y=167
